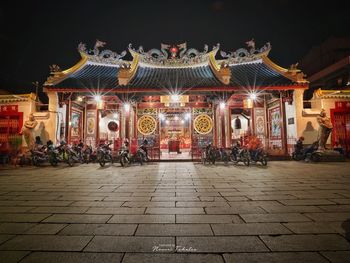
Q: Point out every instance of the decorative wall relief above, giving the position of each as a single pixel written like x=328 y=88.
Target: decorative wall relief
x=203 y=124
x=259 y=115
x=146 y=125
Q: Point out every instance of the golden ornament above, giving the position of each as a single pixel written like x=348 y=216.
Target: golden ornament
x=146 y=125
x=203 y=124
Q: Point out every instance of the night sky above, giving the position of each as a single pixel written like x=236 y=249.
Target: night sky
x=35 y=34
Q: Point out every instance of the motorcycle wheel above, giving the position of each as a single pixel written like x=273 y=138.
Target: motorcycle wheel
x=70 y=160
x=264 y=161
x=246 y=161
x=35 y=161
x=140 y=157
x=123 y=161
x=226 y=159
x=233 y=159
x=315 y=157
x=54 y=162
x=203 y=159
x=102 y=161
x=212 y=158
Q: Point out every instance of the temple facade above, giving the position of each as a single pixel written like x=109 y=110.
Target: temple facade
x=177 y=98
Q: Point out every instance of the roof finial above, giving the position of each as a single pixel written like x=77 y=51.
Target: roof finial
x=99 y=44
x=251 y=43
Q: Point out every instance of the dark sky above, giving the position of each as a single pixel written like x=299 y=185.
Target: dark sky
x=35 y=34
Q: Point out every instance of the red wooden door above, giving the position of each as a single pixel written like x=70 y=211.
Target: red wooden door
x=341 y=130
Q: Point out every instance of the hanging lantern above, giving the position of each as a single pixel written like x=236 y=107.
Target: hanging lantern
x=248 y=103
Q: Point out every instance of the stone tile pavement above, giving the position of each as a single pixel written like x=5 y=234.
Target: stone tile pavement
x=176 y=212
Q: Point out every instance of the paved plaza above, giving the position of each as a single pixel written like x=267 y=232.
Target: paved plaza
x=176 y=212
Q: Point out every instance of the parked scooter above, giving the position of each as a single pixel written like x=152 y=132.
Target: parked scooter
x=87 y=154
x=212 y=154
x=126 y=158
x=258 y=155
x=104 y=154
x=39 y=155
x=239 y=154
x=62 y=153
x=301 y=153
x=208 y=154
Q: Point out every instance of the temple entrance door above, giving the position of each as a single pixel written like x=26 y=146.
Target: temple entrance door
x=341 y=130
x=175 y=134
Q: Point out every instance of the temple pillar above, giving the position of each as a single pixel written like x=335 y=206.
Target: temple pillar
x=218 y=126
x=53 y=123
x=227 y=127
x=132 y=123
x=298 y=100
x=123 y=123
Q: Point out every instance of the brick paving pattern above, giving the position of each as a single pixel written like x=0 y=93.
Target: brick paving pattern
x=176 y=212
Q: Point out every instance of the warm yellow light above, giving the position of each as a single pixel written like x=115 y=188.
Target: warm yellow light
x=253 y=96
x=175 y=98
x=98 y=98
x=127 y=107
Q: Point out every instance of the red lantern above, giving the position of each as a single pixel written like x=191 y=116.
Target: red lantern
x=173 y=50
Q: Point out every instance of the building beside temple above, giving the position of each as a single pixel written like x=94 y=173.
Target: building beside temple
x=328 y=69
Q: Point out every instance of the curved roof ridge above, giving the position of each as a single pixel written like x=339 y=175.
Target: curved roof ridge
x=57 y=75
x=292 y=73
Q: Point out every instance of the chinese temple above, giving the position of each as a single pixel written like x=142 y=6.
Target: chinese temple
x=177 y=98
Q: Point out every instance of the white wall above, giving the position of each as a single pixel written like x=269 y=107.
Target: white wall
x=236 y=134
x=103 y=126
x=291 y=113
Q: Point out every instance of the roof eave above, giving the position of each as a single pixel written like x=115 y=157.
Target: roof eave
x=59 y=76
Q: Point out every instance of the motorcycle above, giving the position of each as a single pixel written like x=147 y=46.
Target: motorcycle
x=62 y=153
x=126 y=158
x=208 y=155
x=39 y=155
x=239 y=154
x=104 y=154
x=87 y=154
x=77 y=152
x=213 y=154
x=74 y=153
x=144 y=151
x=301 y=153
x=258 y=155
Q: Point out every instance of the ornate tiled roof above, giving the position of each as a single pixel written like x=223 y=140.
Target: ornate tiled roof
x=173 y=66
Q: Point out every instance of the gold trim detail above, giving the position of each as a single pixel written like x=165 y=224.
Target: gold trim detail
x=128 y=71
x=221 y=71
x=331 y=94
x=146 y=125
x=58 y=76
x=203 y=124
x=292 y=73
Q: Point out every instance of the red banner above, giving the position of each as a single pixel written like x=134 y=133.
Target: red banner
x=9 y=108
x=342 y=104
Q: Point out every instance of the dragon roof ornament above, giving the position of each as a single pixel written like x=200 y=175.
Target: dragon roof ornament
x=245 y=55
x=173 y=55
x=105 y=56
